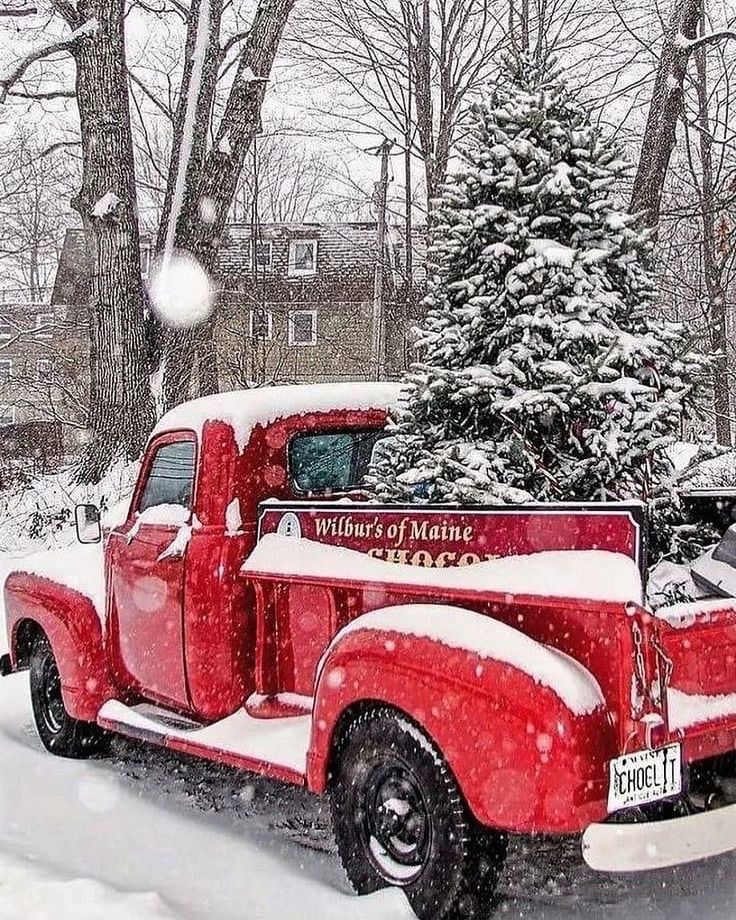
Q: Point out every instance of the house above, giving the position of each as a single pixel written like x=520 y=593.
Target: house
x=296 y=303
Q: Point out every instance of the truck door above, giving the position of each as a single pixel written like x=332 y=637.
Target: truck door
x=147 y=560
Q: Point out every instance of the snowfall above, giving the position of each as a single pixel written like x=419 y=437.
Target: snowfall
x=146 y=834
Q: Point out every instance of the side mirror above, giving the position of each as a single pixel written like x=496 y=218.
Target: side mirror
x=87 y=520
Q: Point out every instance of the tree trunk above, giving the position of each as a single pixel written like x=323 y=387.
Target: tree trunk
x=121 y=409
x=712 y=271
x=664 y=111
x=214 y=181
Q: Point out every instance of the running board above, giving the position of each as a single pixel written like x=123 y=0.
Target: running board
x=271 y=747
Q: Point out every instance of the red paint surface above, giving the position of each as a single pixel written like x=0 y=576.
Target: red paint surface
x=212 y=637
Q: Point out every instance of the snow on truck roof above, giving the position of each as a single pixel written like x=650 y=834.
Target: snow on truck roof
x=244 y=409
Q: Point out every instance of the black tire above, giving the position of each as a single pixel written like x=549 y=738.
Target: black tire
x=60 y=733
x=400 y=820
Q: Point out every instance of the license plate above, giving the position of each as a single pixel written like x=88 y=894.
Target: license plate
x=644 y=776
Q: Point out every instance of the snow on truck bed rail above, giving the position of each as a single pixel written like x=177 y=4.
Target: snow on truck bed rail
x=584 y=574
x=489 y=639
x=244 y=409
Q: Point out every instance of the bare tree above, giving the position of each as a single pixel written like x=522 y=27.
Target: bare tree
x=203 y=179
x=121 y=405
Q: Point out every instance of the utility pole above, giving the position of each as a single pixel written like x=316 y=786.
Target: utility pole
x=377 y=327
x=408 y=260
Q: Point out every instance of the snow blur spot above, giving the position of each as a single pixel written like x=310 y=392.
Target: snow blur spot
x=390 y=645
x=207 y=210
x=99 y=793
x=181 y=292
x=544 y=745
x=247 y=794
x=479 y=671
x=336 y=678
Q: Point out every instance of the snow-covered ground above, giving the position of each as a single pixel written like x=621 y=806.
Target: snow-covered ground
x=148 y=835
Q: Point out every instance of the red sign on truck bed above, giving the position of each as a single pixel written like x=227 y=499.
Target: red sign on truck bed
x=444 y=535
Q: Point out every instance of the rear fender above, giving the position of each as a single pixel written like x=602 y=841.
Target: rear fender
x=523 y=759
x=73 y=627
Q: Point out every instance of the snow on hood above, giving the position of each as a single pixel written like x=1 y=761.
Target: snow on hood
x=587 y=574
x=489 y=639
x=244 y=409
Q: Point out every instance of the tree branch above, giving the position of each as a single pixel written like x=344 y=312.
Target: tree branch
x=21 y=11
x=45 y=51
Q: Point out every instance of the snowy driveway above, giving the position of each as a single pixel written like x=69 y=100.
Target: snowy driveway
x=155 y=836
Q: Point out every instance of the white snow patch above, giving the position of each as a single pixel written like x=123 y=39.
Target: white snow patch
x=181 y=292
x=591 y=574
x=681 y=616
x=244 y=409
x=105 y=205
x=687 y=709
x=224 y=145
x=162 y=516
x=178 y=546
x=458 y=628
x=279 y=741
x=552 y=252
x=32 y=892
x=233 y=518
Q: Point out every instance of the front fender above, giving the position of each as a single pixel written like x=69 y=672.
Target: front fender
x=524 y=760
x=73 y=627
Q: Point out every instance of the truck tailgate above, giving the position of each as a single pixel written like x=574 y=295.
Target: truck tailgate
x=699 y=645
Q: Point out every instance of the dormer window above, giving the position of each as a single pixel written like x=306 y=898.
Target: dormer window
x=45 y=325
x=263 y=254
x=302 y=257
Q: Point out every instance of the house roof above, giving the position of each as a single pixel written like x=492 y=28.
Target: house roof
x=343 y=248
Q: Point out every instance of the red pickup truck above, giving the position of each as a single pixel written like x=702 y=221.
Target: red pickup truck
x=447 y=675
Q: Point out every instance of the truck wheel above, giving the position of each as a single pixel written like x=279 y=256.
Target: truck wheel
x=59 y=732
x=399 y=819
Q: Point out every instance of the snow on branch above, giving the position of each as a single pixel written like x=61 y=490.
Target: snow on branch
x=41 y=53
x=690 y=44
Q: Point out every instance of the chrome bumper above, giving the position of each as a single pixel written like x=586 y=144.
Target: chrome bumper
x=658 y=844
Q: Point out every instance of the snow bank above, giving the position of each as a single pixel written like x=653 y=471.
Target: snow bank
x=78 y=567
x=687 y=709
x=489 y=639
x=31 y=892
x=244 y=409
x=591 y=574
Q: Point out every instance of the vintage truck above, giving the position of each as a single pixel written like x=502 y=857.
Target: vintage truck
x=447 y=675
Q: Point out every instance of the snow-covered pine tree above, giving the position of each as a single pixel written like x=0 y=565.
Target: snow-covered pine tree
x=545 y=373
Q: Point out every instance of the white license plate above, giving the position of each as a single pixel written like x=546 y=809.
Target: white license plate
x=644 y=776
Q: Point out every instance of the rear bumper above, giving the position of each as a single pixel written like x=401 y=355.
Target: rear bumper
x=658 y=844
x=6 y=665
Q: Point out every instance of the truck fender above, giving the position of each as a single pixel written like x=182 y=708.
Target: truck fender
x=72 y=625
x=525 y=759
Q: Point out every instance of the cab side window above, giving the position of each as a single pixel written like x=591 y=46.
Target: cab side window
x=171 y=476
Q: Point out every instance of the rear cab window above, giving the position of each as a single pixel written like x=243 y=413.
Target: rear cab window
x=323 y=463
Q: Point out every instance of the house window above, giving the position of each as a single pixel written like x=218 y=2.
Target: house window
x=44 y=325
x=6 y=330
x=302 y=257
x=7 y=416
x=6 y=370
x=44 y=367
x=260 y=325
x=263 y=254
x=303 y=327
